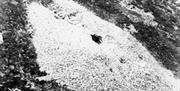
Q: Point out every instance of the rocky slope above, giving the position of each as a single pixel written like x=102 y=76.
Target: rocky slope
x=156 y=22
x=89 y=45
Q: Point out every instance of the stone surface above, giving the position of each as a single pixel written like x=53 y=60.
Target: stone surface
x=89 y=45
x=69 y=55
x=156 y=23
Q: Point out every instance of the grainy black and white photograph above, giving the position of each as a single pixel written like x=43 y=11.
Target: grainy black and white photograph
x=89 y=45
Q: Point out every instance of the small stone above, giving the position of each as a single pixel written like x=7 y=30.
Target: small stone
x=1 y=74
x=1 y=38
x=96 y=38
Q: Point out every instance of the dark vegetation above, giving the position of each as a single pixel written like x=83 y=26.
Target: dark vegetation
x=161 y=41
x=18 y=66
x=46 y=2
